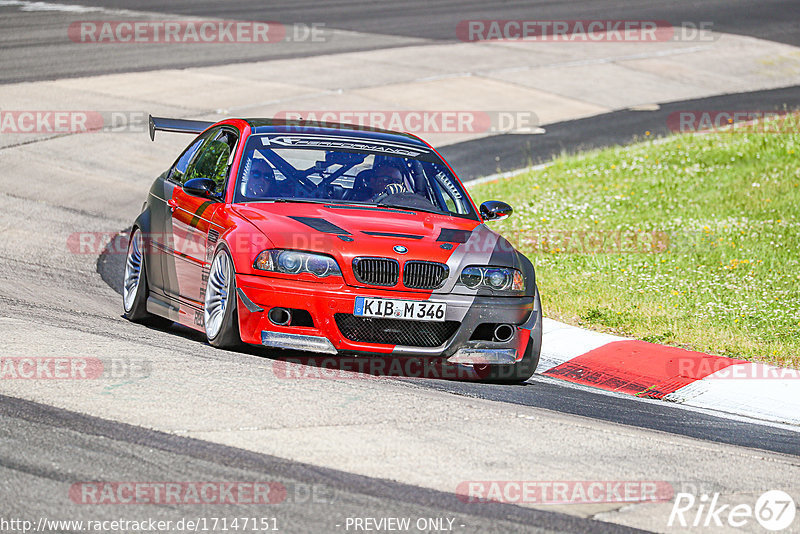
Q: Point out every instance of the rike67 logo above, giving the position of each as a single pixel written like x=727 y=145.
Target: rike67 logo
x=774 y=510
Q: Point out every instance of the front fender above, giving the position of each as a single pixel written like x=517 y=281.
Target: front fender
x=244 y=242
x=152 y=254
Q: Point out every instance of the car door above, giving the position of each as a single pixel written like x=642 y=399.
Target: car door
x=191 y=219
x=161 y=218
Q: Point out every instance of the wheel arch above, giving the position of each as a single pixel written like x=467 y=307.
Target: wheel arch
x=529 y=271
x=143 y=224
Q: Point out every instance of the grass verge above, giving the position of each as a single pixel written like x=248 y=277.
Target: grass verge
x=691 y=241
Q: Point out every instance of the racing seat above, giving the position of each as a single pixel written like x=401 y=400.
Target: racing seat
x=361 y=190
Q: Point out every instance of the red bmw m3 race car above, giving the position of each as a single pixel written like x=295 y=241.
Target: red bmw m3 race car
x=330 y=239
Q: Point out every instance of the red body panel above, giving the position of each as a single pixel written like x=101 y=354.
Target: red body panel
x=284 y=232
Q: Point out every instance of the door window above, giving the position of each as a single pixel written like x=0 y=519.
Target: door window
x=214 y=158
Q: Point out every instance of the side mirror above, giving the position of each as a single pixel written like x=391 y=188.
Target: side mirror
x=200 y=187
x=494 y=210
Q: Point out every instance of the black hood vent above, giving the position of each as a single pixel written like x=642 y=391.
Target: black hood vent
x=321 y=225
x=392 y=234
x=453 y=235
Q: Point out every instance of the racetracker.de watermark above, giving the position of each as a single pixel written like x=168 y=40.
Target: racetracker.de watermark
x=734 y=121
x=363 y=368
x=584 y=31
x=185 y=32
x=177 y=493
x=72 y=368
x=595 y=241
x=720 y=368
x=37 y=121
x=223 y=492
x=564 y=492
x=423 y=121
x=544 y=241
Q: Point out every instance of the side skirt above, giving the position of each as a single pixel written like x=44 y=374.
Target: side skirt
x=177 y=311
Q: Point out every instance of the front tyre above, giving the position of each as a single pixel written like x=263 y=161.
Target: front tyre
x=523 y=369
x=219 y=312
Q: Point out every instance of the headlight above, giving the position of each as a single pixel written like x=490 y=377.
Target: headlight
x=290 y=261
x=295 y=262
x=496 y=278
x=472 y=277
x=320 y=266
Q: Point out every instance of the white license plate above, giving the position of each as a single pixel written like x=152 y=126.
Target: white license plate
x=416 y=310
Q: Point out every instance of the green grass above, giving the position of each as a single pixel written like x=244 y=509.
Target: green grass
x=714 y=264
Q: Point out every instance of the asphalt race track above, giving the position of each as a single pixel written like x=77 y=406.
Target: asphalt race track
x=34 y=51
x=554 y=395
x=316 y=500
x=341 y=448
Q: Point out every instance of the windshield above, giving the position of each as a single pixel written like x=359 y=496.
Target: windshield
x=299 y=174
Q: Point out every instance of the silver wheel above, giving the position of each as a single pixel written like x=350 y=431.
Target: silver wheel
x=133 y=271
x=217 y=294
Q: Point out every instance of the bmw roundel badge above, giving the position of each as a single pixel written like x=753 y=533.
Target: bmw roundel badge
x=400 y=249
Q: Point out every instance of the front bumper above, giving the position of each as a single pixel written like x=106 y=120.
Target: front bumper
x=324 y=300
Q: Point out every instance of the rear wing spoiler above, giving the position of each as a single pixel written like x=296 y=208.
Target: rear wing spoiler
x=164 y=124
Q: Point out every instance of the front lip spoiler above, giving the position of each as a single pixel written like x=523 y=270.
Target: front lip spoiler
x=484 y=356
x=469 y=356
x=281 y=340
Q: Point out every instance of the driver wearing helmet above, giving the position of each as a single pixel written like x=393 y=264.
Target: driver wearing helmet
x=386 y=179
x=260 y=180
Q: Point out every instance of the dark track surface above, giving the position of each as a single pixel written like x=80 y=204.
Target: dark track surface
x=774 y=20
x=482 y=157
x=36 y=45
x=661 y=416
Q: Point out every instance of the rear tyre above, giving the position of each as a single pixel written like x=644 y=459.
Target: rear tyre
x=134 y=285
x=220 y=315
x=134 y=282
x=523 y=369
